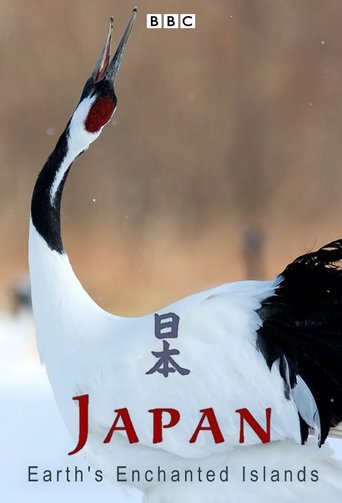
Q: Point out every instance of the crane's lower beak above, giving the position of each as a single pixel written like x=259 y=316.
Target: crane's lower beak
x=108 y=70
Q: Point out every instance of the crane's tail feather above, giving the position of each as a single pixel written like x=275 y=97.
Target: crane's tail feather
x=302 y=323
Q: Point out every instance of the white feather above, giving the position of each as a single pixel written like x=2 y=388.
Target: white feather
x=306 y=404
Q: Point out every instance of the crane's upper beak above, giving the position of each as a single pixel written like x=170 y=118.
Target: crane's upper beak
x=108 y=70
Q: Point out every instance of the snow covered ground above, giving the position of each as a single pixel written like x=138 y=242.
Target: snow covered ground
x=33 y=434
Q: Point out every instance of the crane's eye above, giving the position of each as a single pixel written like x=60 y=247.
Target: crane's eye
x=100 y=113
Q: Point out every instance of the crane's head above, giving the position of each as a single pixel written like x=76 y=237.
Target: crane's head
x=98 y=100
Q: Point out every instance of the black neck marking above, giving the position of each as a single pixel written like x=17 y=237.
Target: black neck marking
x=45 y=213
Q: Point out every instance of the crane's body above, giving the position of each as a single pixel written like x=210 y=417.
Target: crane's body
x=231 y=349
x=108 y=356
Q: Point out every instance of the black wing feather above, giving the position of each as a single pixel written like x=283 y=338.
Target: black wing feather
x=302 y=322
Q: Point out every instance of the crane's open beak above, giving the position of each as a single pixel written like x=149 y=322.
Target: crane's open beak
x=104 y=69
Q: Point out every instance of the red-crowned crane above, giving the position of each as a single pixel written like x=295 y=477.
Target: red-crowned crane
x=256 y=345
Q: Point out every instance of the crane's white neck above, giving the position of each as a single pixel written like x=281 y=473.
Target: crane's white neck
x=47 y=194
x=78 y=140
x=60 y=303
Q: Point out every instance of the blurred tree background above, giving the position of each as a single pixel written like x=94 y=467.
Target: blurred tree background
x=222 y=161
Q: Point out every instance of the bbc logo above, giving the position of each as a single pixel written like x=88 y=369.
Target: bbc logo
x=171 y=21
